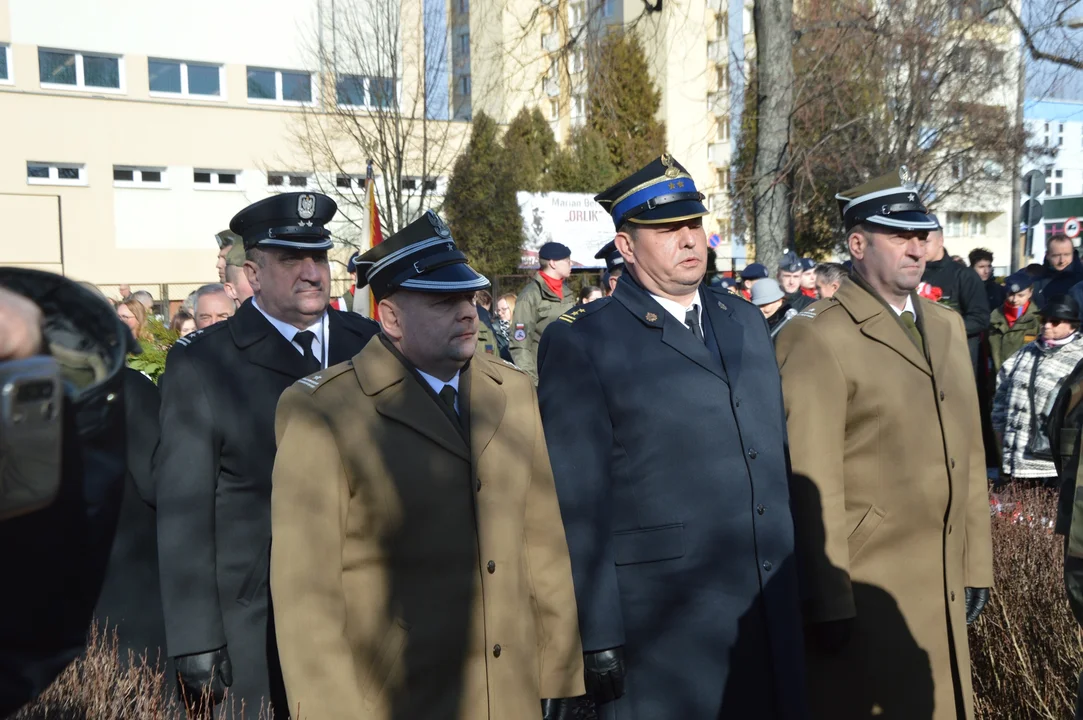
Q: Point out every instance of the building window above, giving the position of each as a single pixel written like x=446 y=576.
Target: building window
x=65 y=68
x=41 y=173
x=464 y=43
x=954 y=225
x=554 y=109
x=131 y=176
x=284 y=179
x=216 y=179
x=173 y=77
x=464 y=85
x=409 y=183
x=609 y=8
x=976 y=224
x=347 y=181
x=724 y=128
x=363 y=91
x=576 y=14
x=279 y=86
x=958 y=169
x=722 y=73
x=5 y=64
x=579 y=107
x=577 y=61
x=464 y=6
x=1058 y=189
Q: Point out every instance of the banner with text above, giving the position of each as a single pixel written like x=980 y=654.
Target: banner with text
x=573 y=219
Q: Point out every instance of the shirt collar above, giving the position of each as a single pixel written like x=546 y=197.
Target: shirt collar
x=437 y=384
x=908 y=307
x=285 y=329
x=679 y=311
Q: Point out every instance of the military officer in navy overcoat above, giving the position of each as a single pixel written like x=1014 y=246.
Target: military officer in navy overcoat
x=663 y=414
x=212 y=469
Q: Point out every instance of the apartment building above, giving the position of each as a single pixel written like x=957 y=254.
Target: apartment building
x=1056 y=126
x=134 y=131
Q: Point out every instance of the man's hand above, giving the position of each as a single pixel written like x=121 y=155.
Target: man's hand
x=975 y=602
x=559 y=708
x=20 y=327
x=605 y=674
x=210 y=671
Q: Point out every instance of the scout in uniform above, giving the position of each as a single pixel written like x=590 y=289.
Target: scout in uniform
x=671 y=474
x=212 y=469
x=888 y=483
x=1016 y=322
x=419 y=567
x=540 y=303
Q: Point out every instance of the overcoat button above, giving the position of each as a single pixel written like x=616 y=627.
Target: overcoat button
x=752 y=453
x=953 y=596
x=478 y=486
x=953 y=463
x=492 y=567
x=941 y=396
x=767 y=565
x=761 y=509
x=496 y=651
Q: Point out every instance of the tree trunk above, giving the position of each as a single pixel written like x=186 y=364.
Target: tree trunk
x=773 y=24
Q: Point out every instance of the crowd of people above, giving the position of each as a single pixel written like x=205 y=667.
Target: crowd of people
x=660 y=497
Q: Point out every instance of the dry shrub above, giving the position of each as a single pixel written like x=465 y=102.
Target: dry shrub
x=1025 y=649
x=99 y=686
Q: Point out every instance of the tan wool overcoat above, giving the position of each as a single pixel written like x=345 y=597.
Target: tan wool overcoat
x=418 y=568
x=890 y=503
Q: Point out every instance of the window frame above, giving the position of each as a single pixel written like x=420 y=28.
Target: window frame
x=80 y=73
x=185 y=87
x=137 y=177
x=287 y=176
x=314 y=89
x=5 y=49
x=54 y=175
x=366 y=89
x=215 y=185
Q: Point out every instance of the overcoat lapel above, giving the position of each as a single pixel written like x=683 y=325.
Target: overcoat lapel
x=263 y=345
x=674 y=333
x=880 y=323
x=398 y=395
x=937 y=332
x=487 y=402
x=344 y=339
x=728 y=333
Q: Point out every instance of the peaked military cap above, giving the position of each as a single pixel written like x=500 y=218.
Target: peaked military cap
x=351 y=266
x=790 y=262
x=290 y=220
x=890 y=200
x=422 y=257
x=227 y=238
x=661 y=192
x=611 y=255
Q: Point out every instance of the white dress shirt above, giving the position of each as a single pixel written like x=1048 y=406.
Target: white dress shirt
x=908 y=307
x=437 y=385
x=320 y=329
x=679 y=311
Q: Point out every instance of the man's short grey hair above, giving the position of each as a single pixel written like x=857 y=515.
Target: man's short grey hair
x=144 y=297
x=831 y=272
x=255 y=255
x=209 y=289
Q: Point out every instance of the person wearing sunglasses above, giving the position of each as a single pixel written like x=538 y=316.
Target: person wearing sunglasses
x=1027 y=386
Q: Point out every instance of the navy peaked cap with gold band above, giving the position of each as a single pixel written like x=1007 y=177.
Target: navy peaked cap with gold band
x=289 y=220
x=421 y=257
x=611 y=255
x=662 y=192
x=890 y=200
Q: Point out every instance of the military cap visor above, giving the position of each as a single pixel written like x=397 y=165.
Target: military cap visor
x=888 y=201
x=611 y=255
x=662 y=192
x=422 y=257
x=288 y=220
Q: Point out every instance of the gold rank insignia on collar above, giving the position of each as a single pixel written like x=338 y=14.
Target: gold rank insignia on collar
x=651 y=317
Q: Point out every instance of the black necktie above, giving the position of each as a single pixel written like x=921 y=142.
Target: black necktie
x=447 y=394
x=305 y=338
x=691 y=319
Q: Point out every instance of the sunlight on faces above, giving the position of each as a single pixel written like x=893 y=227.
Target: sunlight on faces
x=808 y=279
x=560 y=268
x=891 y=261
x=503 y=310
x=188 y=327
x=221 y=264
x=669 y=259
x=1020 y=298
x=291 y=285
x=790 y=281
x=984 y=269
x=826 y=289
x=1059 y=254
x=214 y=308
x=437 y=332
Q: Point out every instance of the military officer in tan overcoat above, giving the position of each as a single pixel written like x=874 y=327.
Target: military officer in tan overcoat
x=418 y=561
x=888 y=483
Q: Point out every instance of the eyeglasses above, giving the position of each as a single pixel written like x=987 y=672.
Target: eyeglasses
x=1054 y=321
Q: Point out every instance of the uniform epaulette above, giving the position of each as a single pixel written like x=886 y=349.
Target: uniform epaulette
x=193 y=337
x=312 y=383
x=580 y=311
x=817 y=309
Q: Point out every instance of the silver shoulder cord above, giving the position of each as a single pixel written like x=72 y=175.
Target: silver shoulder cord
x=323 y=340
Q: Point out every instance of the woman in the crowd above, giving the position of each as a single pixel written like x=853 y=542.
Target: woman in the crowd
x=133 y=314
x=1027 y=387
x=590 y=293
x=1016 y=322
x=505 y=306
x=183 y=324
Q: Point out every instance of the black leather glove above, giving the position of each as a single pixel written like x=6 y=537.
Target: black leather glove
x=559 y=708
x=975 y=602
x=605 y=674
x=210 y=671
x=831 y=636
